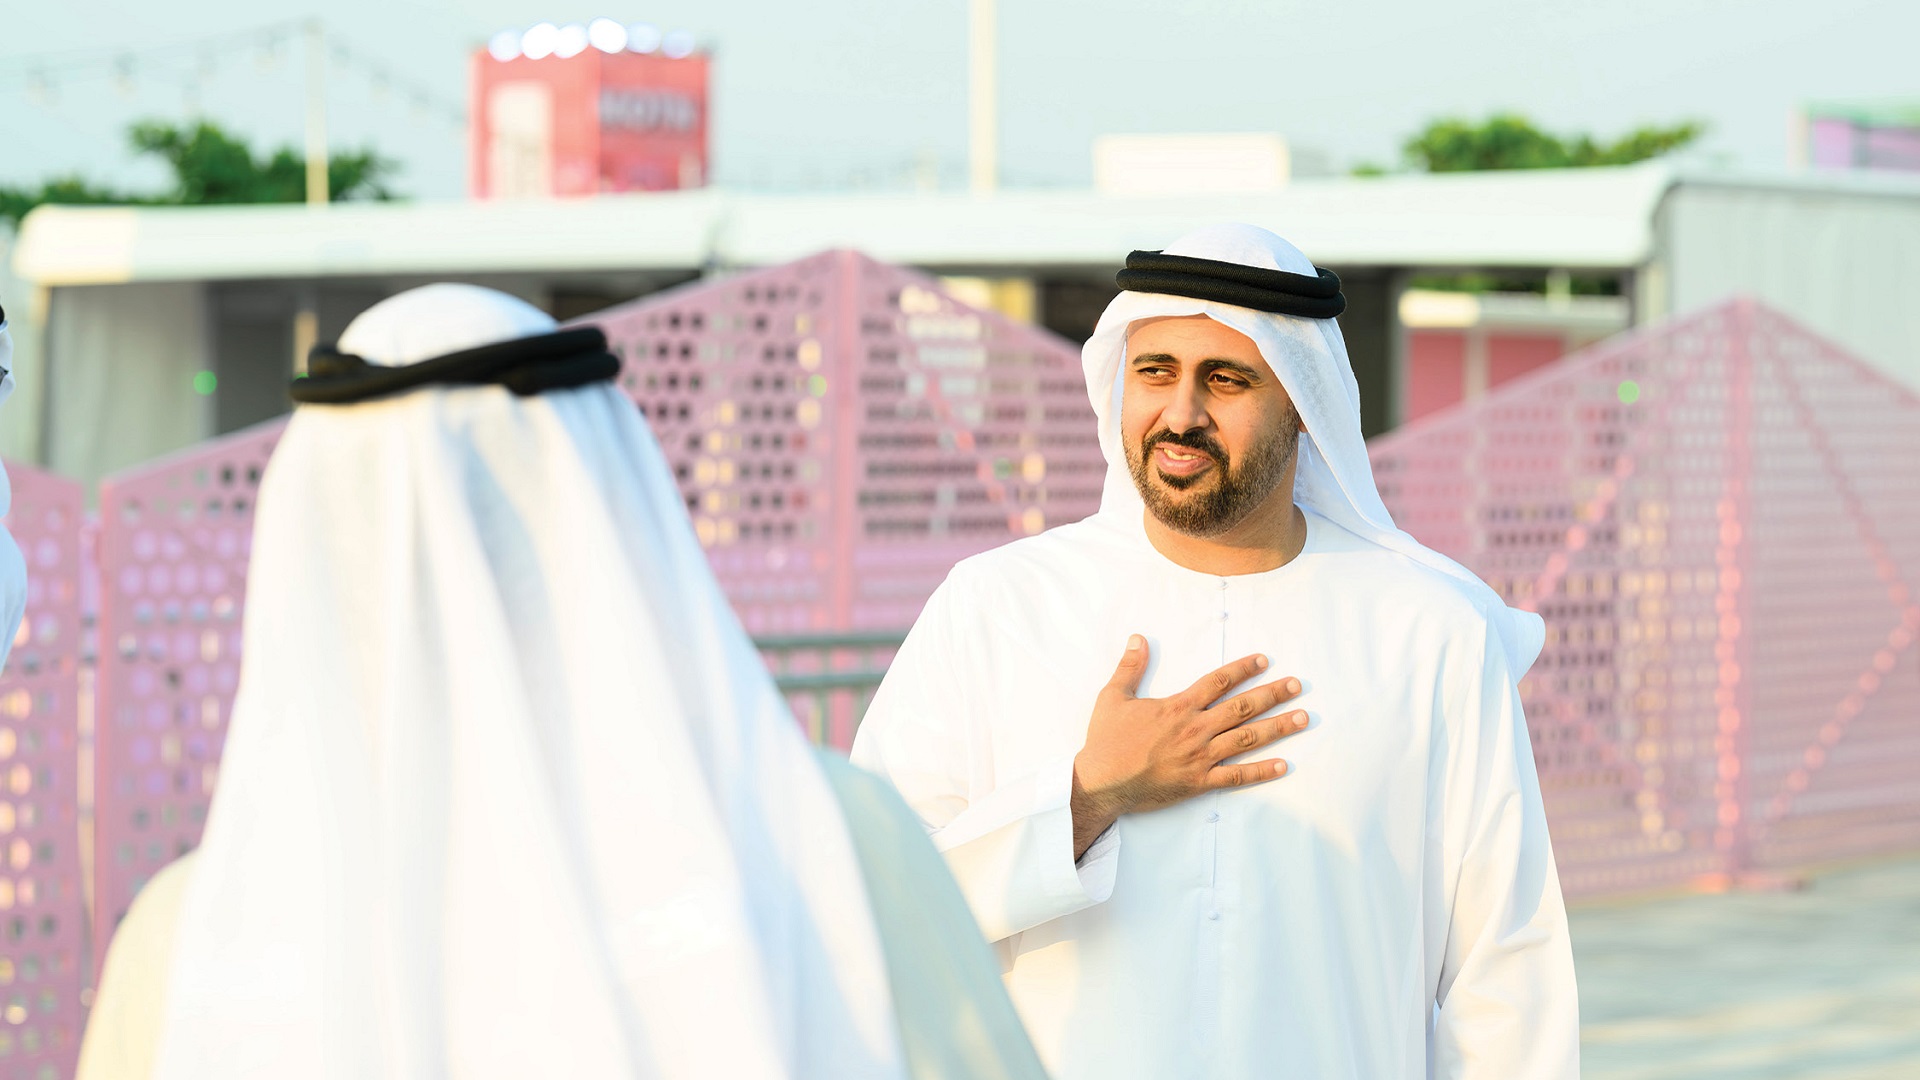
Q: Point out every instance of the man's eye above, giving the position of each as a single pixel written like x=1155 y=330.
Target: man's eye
x=1238 y=384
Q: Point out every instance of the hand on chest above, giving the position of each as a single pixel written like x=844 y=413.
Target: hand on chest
x=1368 y=724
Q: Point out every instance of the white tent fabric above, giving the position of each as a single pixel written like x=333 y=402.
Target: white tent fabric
x=127 y=356
x=1335 y=478
x=508 y=792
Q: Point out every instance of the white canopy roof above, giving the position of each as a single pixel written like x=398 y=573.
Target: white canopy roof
x=1570 y=218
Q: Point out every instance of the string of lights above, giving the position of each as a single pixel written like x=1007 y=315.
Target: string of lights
x=192 y=64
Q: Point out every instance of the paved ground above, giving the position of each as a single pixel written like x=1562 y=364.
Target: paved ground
x=1821 y=984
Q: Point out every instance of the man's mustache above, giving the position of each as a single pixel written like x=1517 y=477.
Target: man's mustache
x=1192 y=440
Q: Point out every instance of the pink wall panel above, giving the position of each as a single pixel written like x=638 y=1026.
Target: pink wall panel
x=1511 y=354
x=173 y=546
x=844 y=432
x=1893 y=148
x=1836 y=142
x=1834 y=572
x=1832 y=142
x=42 y=900
x=1436 y=372
x=1720 y=521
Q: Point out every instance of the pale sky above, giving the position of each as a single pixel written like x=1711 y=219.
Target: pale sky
x=822 y=94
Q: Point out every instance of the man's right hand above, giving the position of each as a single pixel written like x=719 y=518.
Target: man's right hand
x=1146 y=753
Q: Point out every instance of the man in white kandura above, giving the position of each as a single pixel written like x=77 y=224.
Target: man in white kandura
x=1168 y=897
x=508 y=792
x=13 y=568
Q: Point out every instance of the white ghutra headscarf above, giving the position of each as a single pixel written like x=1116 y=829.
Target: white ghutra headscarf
x=1334 y=477
x=508 y=792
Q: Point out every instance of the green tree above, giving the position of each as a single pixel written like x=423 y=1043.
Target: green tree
x=69 y=190
x=1508 y=141
x=1639 y=144
x=210 y=166
x=1502 y=142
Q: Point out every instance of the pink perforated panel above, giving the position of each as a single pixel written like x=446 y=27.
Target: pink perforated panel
x=1834 y=606
x=173 y=545
x=843 y=432
x=1719 y=520
x=42 y=902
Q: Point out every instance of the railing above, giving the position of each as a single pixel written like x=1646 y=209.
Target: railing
x=829 y=679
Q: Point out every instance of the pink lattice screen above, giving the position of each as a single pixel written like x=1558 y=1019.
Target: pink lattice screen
x=174 y=539
x=42 y=901
x=1720 y=521
x=843 y=432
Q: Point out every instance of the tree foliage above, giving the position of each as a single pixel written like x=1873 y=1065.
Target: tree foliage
x=210 y=166
x=1508 y=141
x=68 y=190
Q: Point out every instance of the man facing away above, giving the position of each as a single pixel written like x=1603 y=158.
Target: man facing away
x=1167 y=895
x=507 y=791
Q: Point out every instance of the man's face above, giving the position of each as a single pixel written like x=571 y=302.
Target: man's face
x=1209 y=432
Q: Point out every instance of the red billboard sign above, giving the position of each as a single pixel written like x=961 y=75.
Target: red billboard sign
x=588 y=123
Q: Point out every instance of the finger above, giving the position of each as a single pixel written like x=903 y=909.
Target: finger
x=1241 y=708
x=1255 y=735
x=1251 y=772
x=1133 y=664
x=1214 y=685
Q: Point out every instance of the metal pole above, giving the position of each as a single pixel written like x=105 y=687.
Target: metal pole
x=317 y=193
x=983 y=135
x=306 y=324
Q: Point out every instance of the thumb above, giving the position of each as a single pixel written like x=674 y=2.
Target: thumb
x=1133 y=664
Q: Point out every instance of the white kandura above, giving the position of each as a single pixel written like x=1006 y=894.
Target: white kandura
x=1389 y=910
x=497 y=738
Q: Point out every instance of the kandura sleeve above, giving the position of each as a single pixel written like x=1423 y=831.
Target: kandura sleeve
x=956 y=1021
x=1008 y=841
x=1506 y=1001
x=124 y=1026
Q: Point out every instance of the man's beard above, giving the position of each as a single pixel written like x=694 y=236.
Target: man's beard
x=1235 y=489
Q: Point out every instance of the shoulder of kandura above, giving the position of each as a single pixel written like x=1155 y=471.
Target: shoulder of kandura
x=876 y=816
x=1402 y=586
x=123 y=1033
x=154 y=915
x=848 y=781
x=1091 y=548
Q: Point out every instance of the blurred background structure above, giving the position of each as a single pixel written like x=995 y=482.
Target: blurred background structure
x=1716 y=517
x=218 y=315
x=1657 y=383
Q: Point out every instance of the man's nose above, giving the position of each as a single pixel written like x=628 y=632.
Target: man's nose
x=1186 y=410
